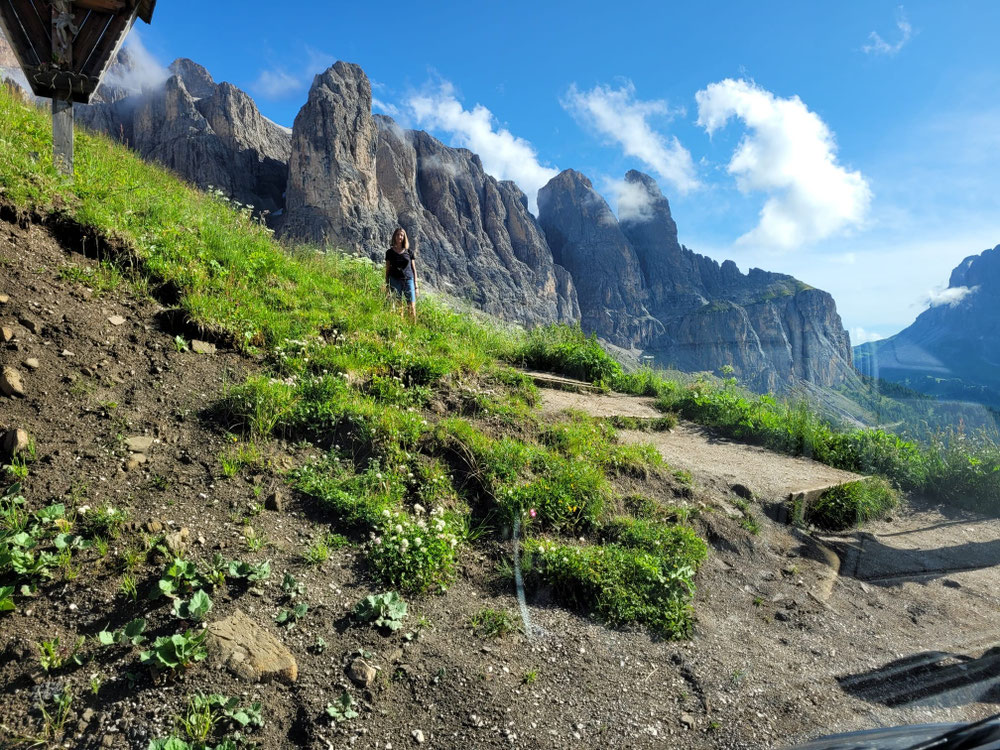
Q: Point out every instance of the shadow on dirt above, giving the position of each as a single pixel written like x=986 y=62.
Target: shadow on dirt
x=867 y=558
x=930 y=678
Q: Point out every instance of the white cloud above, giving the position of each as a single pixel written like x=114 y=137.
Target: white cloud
x=632 y=199
x=281 y=82
x=861 y=336
x=790 y=154
x=385 y=107
x=621 y=118
x=504 y=155
x=878 y=46
x=950 y=296
x=276 y=84
x=141 y=70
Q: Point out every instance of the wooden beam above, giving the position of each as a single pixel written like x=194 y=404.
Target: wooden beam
x=86 y=38
x=62 y=136
x=24 y=50
x=106 y=6
x=38 y=30
x=101 y=58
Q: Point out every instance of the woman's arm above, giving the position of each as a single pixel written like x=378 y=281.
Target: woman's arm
x=386 y=273
x=413 y=264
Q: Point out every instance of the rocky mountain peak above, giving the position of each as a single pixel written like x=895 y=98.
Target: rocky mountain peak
x=643 y=203
x=212 y=134
x=978 y=270
x=950 y=350
x=333 y=196
x=587 y=241
x=197 y=80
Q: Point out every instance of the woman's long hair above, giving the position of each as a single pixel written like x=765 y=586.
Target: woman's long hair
x=406 y=239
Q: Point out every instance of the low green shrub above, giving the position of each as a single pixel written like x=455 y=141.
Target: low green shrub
x=678 y=545
x=567 y=350
x=566 y=493
x=620 y=585
x=357 y=500
x=386 y=610
x=415 y=553
x=965 y=470
x=596 y=441
x=852 y=504
x=177 y=651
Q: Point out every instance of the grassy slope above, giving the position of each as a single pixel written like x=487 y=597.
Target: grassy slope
x=348 y=375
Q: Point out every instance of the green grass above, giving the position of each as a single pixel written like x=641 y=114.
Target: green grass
x=492 y=623
x=852 y=504
x=952 y=466
x=632 y=581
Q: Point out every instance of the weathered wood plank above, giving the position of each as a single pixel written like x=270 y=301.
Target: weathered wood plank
x=62 y=136
x=19 y=40
x=39 y=31
x=108 y=6
x=108 y=46
x=89 y=34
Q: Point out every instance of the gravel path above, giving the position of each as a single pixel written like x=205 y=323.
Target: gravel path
x=713 y=461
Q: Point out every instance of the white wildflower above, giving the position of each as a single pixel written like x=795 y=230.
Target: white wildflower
x=418 y=508
x=399 y=528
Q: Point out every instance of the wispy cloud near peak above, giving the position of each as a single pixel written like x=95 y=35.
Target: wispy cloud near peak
x=618 y=116
x=504 y=155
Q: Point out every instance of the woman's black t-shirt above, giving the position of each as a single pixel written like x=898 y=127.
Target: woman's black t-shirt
x=400 y=264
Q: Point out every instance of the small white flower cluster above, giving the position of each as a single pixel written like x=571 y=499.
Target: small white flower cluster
x=415 y=550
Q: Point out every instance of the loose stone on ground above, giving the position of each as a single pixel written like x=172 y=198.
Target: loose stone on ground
x=249 y=651
x=202 y=347
x=10 y=383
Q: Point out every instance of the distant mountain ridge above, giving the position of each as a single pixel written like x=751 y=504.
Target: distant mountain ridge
x=346 y=178
x=640 y=288
x=952 y=349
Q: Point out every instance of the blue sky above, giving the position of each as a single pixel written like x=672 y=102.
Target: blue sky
x=868 y=133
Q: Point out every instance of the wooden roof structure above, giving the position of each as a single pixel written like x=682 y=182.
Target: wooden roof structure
x=66 y=46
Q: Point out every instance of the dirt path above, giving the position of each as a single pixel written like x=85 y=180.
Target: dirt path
x=713 y=462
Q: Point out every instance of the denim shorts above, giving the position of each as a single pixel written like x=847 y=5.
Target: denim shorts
x=405 y=288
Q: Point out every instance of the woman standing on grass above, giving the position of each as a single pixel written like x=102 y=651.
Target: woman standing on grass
x=401 y=271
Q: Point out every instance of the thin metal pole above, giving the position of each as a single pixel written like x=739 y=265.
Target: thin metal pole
x=62 y=135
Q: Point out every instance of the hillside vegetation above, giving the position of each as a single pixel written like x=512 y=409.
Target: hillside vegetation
x=427 y=445
x=344 y=372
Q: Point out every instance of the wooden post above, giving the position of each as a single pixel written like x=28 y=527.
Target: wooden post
x=62 y=135
x=63 y=31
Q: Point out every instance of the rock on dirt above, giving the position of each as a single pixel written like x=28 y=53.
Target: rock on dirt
x=32 y=364
x=418 y=736
x=139 y=444
x=249 y=651
x=116 y=320
x=177 y=541
x=275 y=501
x=6 y=335
x=10 y=383
x=202 y=347
x=32 y=325
x=14 y=442
x=362 y=673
